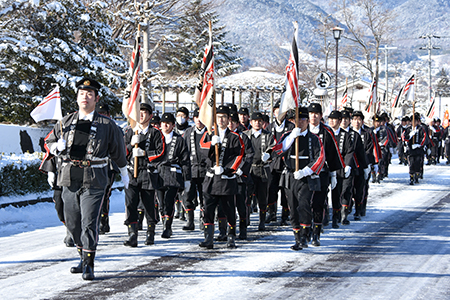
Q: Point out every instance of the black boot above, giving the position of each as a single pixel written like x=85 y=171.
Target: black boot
x=344 y=215
x=298 y=240
x=272 y=217
x=326 y=217
x=262 y=220
x=208 y=243
x=411 y=179
x=201 y=226
x=140 y=219
x=167 y=232
x=222 y=237
x=88 y=265
x=178 y=210
x=243 y=229
x=231 y=238
x=304 y=237
x=150 y=239
x=335 y=219
x=416 y=178
x=79 y=268
x=357 y=215
x=183 y=213
x=190 y=220
x=68 y=239
x=104 y=224
x=284 y=216
x=316 y=235
x=132 y=236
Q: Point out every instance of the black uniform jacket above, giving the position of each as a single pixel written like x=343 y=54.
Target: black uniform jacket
x=197 y=154
x=277 y=162
x=231 y=154
x=247 y=161
x=360 y=160
x=419 y=139
x=333 y=157
x=264 y=140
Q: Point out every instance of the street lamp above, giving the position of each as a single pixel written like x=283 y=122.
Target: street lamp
x=337 y=35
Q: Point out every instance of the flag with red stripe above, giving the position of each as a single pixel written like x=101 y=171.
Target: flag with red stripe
x=130 y=104
x=431 y=109
x=372 y=92
x=408 y=89
x=49 y=108
x=396 y=103
x=344 y=99
x=205 y=88
x=290 y=96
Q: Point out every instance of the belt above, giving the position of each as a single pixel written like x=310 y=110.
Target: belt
x=85 y=163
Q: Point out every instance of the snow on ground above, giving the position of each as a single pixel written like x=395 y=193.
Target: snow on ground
x=398 y=251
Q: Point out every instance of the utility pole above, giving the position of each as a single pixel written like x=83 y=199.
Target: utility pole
x=429 y=47
x=385 y=49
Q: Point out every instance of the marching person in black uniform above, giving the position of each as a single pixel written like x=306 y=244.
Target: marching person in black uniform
x=174 y=170
x=436 y=138
x=262 y=144
x=150 y=149
x=277 y=166
x=85 y=141
x=243 y=178
x=220 y=184
x=302 y=184
x=244 y=119
x=400 y=145
x=334 y=162
x=381 y=133
x=182 y=124
x=341 y=195
x=198 y=158
x=360 y=169
x=437 y=122
x=415 y=137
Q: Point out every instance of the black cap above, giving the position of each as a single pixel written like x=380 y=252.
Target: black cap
x=223 y=109
x=155 y=119
x=257 y=116
x=183 y=110
x=437 y=119
x=377 y=118
x=146 y=106
x=266 y=118
x=345 y=114
x=277 y=104
x=417 y=116
x=291 y=114
x=232 y=107
x=406 y=119
x=234 y=116
x=349 y=109
x=243 y=111
x=102 y=108
x=168 y=118
x=88 y=84
x=384 y=116
x=315 y=107
x=358 y=113
x=335 y=114
x=196 y=112
x=303 y=112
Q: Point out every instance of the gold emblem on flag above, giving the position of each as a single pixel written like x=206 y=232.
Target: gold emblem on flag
x=87 y=82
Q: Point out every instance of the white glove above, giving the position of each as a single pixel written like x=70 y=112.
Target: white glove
x=187 y=185
x=333 y=181
x=265 y=157
x=366 y=173
x=61 y=145
x=429 y=151
x=392 y=150
x=51 y=179
x=218 y=170
x=347 y=171
x=239 y=172
x=138 y=152
x=135 y=139
x=375 y=168
x=125 y=177
x=415 y=146
x=412 y=133
x=299 y=174
x=215 y=140
x=295 y=132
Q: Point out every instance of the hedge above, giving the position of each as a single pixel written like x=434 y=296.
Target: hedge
x=21 y=179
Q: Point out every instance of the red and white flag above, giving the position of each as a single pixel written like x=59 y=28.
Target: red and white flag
x=408 y=89
x=396 y=103
x=372 y=93
x=205 y=88
x=49 y=108
x=344 y=99
x=290 y=97
x=432 y=109
x=130 y=104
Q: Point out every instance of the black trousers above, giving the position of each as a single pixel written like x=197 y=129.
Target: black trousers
x=241 y=201
x=415 y=164
x=347 y=189
x=105 y=206
x=167 y=201
x=227 y=203
x=274 y=187
x=135 y=194
x=319 y=199
x=260 y=189
x=299 y=198
x=359 y=188
x=59 y=204
x=195 y=190
x=82 y=214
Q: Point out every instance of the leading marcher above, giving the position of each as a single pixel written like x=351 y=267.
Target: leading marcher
x=85 y=144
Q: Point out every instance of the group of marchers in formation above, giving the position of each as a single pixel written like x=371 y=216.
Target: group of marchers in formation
x=246 y=165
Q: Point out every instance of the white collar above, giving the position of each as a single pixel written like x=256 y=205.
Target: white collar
x=144 y=130
x=88 y=117
x=314 y=129
x=256 y=133
x=336 y=132
x=303 y=133
x=222 y=134
x=198 y=131
x=346 y=129
x=168 y=137
x=279 y=128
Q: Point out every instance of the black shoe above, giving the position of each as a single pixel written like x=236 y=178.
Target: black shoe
x=88 y=265
x=208 y=243
x=150 y=239
x=316 y=235
x=79 y=268
x=132 y=236
x=262 y=221
x=190 y=221
x=222 y=237
x=167 y=225
x=242 y=229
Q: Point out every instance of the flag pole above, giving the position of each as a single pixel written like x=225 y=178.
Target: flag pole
x=214 y=110
x=297 y=142
x=414 y=119
x=136 y=132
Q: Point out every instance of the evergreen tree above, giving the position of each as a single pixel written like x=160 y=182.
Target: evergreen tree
x=443 y=84
x=54 y=42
